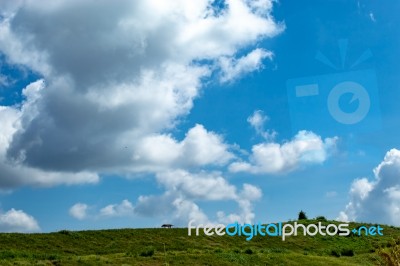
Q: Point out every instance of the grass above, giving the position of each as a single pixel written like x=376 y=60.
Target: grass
x=146 y=247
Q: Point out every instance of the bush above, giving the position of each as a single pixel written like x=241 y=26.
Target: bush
x=148 y=252
x=5 y=254
x=249 y=251
x=302 y=216
x=64 y=232
x=321 y=218
x=52 y=257
x=218 y=250
x=347 y=252
x=335 y=253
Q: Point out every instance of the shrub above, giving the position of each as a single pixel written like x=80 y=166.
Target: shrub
x=52 y=257
x=302 y=216
x=7 y=254
x=249 y=251
x=335 y=253
x=321 y=218
x=64 y=232
x=148 y=252
x=347 y=252
x=218 y=250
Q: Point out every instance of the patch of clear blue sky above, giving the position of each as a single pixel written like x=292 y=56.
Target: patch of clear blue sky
x=14 y=78
x=311 y=26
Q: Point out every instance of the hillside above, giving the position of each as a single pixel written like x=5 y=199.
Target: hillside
x=146 y=247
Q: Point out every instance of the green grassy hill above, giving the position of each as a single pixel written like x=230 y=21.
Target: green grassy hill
x=146 y=247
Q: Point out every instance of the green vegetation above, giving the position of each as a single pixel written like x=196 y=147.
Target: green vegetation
x=175 y=247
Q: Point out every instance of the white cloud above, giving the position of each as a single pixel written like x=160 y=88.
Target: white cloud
x=79 y=211
x=186 y=210
x=116 y=85
x=173 y=207
x=260 y=6
x=378 y=200
x=199 y=147
x=182 y=186
x=250 y=193
x=210 y=186
x=125 y=208
x=233 y=68
x=361 y=188
x=179 y=203
x=343 y=217
x=270 y=157
x=17 y=221
x=257 y=120
x=245 y=200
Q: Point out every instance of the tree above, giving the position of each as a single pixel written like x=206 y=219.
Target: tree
x=321 y=218
x=302 y=215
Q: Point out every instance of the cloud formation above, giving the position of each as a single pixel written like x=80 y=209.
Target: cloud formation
x=79 y=211
x=125 y=208
x=274 y=158
x=18 y=221
x=113 y=86
x=233 y=68
x=178 y=204
x=199 y=148
x=14 y=173
x=257 y=120
x=187 y=188
x=376 y=200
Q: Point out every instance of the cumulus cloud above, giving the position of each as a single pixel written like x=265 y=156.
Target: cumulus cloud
x=18 y=221
x=79 y=211
x=199 y=148
x=179 y=202
x=376 y=200
x=115 y=85
x=232 y=68
x=112 y=89
x=125 y=208
x=172 y=207
x=209 y=186
x=272 y=158
x=257 y=120
x=245 y=200
x=13 y=172
x=185 y=189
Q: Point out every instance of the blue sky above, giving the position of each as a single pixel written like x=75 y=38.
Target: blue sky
x=158 y=113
